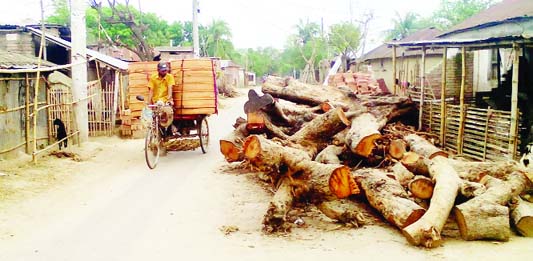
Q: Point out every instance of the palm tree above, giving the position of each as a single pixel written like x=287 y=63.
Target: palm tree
x=218 y=39
x=403 y=26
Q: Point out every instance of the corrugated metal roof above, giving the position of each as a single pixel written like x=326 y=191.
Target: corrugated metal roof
x=498 y=13
x=383 y=51
x=98 y=56
x=12 y=60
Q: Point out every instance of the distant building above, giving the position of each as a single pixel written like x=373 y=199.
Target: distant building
x=167 y=53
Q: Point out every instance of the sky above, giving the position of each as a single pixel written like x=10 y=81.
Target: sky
x=256 y=23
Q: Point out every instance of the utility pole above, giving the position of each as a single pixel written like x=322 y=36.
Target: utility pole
x=78 y=57
x=195 y=40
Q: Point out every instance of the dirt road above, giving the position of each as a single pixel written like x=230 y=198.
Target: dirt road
x=110 y=206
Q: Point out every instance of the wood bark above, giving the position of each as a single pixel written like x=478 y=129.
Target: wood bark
x=343 y=210
x=522 y=216
x=487 y=216
x=256 y=102
x=322 y=128
x=363 y=132
x=427 y=230
x=279 y=206
x=388 y=197
x=401 y=174
x=471 y=189
x=311 y=96
x=475 y=171
x=423 y=147
x=266 y=155
x=330 y=155
x=325 y=180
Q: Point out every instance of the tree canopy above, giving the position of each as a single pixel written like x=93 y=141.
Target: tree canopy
x=123 y=25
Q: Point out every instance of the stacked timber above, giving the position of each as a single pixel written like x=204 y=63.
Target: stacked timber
x=335 y=149
x=194 y=91
x=138 y=76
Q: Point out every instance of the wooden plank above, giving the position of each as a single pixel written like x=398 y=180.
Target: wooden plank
x=194 y=111
x=136 y=106
x=193 y=95
x=138 y=82
x=194 y=87
x=194 y=103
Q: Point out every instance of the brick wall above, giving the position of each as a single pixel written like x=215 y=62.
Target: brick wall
x=453 y=77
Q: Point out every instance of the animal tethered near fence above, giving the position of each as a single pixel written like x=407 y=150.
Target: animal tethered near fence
x=61 y=133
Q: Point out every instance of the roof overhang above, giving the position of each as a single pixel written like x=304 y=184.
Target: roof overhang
x=493 y=42
x=111 y=61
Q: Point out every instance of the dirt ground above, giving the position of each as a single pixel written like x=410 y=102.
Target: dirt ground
x=103 y=203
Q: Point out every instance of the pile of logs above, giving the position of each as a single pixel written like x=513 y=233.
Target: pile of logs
x=328 y=146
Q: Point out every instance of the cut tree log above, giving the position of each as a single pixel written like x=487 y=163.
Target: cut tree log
x=471 y=189
x=522 y=216
x=427 y=230
x=363 y=132
x=423 y=147
x=268 y=156
x=330 y=155
x=401 y=174
x=279 y=206
x=421 y=187
x=344 y=211
x=322 y=128
x=388 y=197
x=327 y=181
x=305 y=94
x=475 y=171
x=256 y=102
x=415 y=163
x=231 y=145
x=487 y=216
x=397 y=149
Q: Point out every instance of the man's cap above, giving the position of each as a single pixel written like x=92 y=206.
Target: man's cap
x=162 y=66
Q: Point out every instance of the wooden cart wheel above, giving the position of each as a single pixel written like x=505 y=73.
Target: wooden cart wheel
x=152 y=145
x=203 y=133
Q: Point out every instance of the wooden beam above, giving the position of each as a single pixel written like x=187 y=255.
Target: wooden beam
x=443 y=99
x=513 y=144
x=422 y=88
x=27 y=116
x=394 y=70
x=462 y=103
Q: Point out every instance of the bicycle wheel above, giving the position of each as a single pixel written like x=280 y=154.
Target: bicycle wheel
x=152 y=147
x=203 y=133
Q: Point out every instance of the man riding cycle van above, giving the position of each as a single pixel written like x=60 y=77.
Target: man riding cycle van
x=160 y=86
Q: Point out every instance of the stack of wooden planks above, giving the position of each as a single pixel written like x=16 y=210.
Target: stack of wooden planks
x=194 y=92
x=139 y=74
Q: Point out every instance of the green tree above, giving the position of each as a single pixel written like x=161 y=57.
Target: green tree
x=218 y=40
x=404 y=26
x=61 y=14
x=262 y=61
x=453 y=12
x=345 y=39
x=303 y=51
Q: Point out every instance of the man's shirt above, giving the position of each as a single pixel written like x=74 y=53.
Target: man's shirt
x=159 y=85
